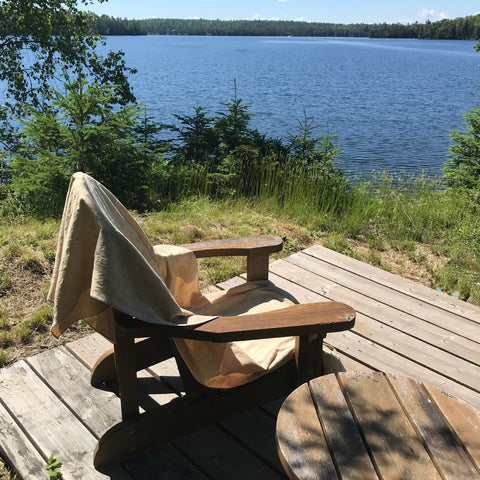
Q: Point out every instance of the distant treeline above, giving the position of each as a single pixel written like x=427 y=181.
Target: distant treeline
x=462 y=28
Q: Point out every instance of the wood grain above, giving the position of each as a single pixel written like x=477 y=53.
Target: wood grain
x=463 y=420
x=17 y=449
x=445 y=449
x=406 y=286
x=301 y=443
x=397 y=451
x=52 y=428
x=344 y=438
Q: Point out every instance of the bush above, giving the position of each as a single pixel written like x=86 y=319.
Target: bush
x=81 y=131
x=462 y=169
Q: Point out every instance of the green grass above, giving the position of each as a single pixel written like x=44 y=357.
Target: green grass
x=37 y=323
x=4 y=357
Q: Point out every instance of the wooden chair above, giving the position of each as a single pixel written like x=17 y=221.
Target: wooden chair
x=138 y=345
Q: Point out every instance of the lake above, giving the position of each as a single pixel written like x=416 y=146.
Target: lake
x=391 y=102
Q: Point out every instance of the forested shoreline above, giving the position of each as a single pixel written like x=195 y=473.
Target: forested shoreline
x=462 y=28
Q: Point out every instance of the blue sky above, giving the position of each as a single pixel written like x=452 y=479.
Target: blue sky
x=336 y=11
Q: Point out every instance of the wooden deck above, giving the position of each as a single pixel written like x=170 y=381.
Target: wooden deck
x=48 y=406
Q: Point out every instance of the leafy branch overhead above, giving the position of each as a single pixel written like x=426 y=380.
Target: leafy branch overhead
x=41 y=42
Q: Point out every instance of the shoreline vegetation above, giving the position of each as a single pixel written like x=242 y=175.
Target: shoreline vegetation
x=461 y=28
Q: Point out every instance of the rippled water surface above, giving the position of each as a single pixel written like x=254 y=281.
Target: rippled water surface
x=391 y=103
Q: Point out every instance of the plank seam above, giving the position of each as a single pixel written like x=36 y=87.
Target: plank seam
x=372 y=279
x=411 y=334
x=251 y=450
x=78 y=357
x=413 y=360
x=292 y=262
x=24 y=430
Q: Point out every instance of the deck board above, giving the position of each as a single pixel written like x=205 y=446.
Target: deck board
x=48 y=406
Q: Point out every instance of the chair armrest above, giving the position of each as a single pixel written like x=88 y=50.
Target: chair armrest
x=256 y=249
x=260 y=244
x=296 y=320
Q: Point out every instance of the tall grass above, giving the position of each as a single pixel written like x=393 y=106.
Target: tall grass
x=383 y=211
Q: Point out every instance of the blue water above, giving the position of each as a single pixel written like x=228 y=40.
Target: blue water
x=391 y=103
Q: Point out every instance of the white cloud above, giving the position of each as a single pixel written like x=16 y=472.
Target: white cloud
x=283 y=1
x=432 y=15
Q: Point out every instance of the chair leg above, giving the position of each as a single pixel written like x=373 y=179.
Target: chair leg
x=125 y=365
x=309 y=356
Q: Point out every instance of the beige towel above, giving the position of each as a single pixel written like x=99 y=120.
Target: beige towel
x=104 y=260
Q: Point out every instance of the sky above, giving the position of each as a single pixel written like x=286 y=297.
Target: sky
x=335 y=11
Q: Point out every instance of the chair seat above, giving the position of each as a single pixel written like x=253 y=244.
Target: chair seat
x=227 y=365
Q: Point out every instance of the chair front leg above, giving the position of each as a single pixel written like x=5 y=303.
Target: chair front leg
x=125 y=365
x=309 y=356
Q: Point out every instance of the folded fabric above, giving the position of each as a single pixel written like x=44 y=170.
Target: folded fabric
x=105 y=260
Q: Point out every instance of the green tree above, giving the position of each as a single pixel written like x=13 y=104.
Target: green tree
x=198 y=140
x=40 y=43
x=232 y=126
x=462 y=169
x=311 y=151
x=81 y=131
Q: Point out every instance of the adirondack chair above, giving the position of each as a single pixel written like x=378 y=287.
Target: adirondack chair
x=140 y=342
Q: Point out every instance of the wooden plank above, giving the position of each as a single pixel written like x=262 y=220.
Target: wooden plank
x=163 y=462
x=97 y=409
x=381 y=359
x=462 y=419
x=18 y=451
x=302 y=447
x=424 y=311
x=458 y=370
x=168 y=373
x=403 y=285
x=255 y=430
x=50 y=424
x=445 y=450
x=387 y=315
x=152 y=391
x=350 y=364
x=232 y=282
x=88 y=349
x=437 y=360
x=397 y=451
x=374 y=356
x=345 y=440
x=218 y=455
